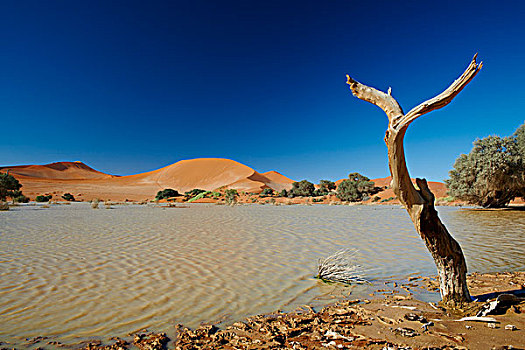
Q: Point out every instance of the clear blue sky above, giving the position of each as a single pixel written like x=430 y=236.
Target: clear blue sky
x=131 y=86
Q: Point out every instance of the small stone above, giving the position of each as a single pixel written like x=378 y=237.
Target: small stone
x=468 y=327
x=491 y=325
x=405 y=332
x=511 y=327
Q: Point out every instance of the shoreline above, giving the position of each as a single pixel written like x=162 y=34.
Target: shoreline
x=390 y=319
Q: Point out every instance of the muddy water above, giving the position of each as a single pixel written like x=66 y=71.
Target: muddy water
x=71 y=272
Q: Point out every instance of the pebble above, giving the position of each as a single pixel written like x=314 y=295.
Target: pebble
x=491 y=325
x=511 y=327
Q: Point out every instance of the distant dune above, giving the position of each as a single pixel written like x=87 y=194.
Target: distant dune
x=86 y=183
x=438 y=188
x=58 y=170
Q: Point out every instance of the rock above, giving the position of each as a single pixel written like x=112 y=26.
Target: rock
x=405 y=332
x=426 y=325
x=414 y=317
x=511 y=327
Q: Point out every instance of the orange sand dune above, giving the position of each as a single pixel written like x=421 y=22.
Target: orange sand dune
x=58 y=170
x=438 y=188
x=278 y=181
x=86 y=183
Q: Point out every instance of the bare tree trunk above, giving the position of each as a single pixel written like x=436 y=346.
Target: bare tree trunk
x=419 y=202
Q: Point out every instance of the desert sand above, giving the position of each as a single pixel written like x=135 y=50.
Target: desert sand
x=86 y=183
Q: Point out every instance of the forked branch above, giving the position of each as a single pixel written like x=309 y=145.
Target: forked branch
x=397 y=119
x=384 y=101
x=445 y=97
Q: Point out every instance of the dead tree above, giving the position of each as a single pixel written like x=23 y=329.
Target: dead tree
x=419 y=200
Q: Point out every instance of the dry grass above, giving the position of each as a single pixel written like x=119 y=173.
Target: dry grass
x=341 y=267
x=94 y=203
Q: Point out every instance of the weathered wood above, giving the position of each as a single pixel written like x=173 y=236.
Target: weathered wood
x=419 y=202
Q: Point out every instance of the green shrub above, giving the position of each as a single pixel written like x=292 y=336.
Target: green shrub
x=191 y=194
x=167 y=193
x=376 y=198
x=231 y=196
x=492 y=174
x=68 y=197
x=267 y=192
x=356 y=188
x=21 y=199
x=43 y=198
x=325 y=186
x=9 y=187
x=302 y=188
x=199 y=196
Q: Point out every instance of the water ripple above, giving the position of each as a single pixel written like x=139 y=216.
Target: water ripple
x=74 y=272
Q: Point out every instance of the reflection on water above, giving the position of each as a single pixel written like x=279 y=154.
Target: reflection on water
x=74 y=272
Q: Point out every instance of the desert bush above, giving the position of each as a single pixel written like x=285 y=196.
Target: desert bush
x=387 y=199
x=376 y=199
x=4 y=206
x=21 y=199
x=267 y=192
x=325 y=186
x=199 y=196
x=284 y=193
x=447 y=199
x=94 y=203
x=231 y=196
x=43 y=198
x=9 y=187
x=68 y=197
x=167 y=193
x=355 y=188
x=302 y=188
x=193 y=193
x=493 y=173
